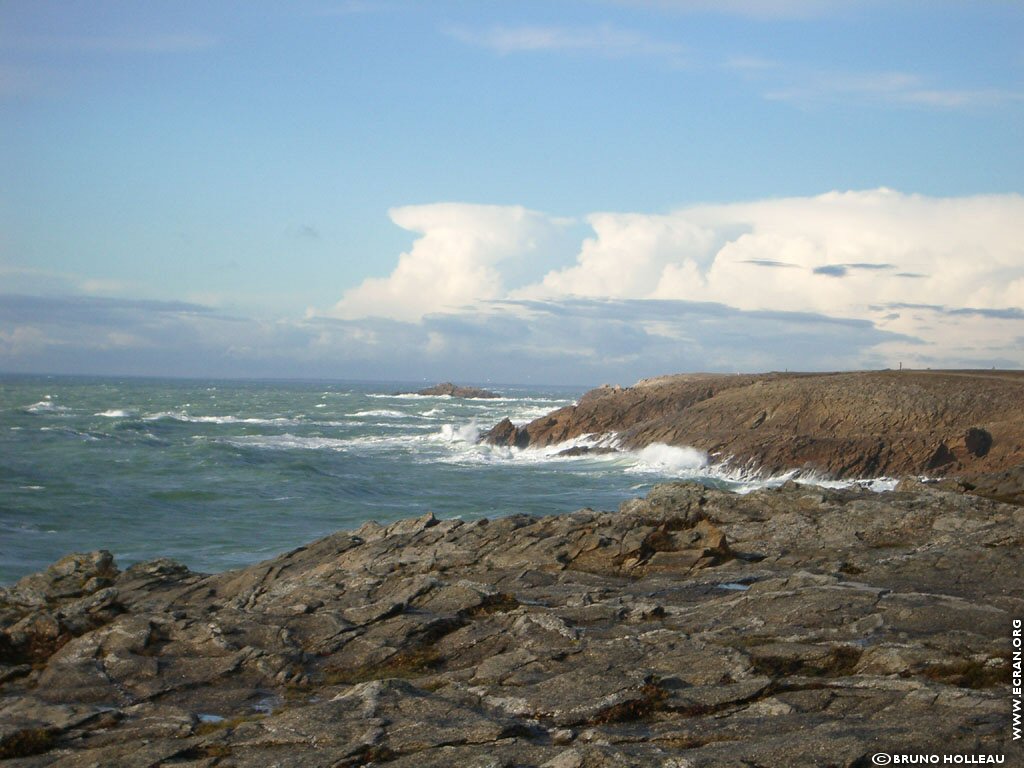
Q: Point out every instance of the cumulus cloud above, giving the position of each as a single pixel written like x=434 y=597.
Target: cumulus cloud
x=970 y=250
x=465 y=254
x=846 y=256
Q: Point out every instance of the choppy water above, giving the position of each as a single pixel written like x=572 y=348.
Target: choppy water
x=219 y=474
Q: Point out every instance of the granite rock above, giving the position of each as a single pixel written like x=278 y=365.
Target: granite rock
x=794 y=626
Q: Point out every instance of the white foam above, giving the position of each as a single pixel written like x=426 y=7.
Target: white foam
x=410 y=396
x=382 y=414
x=115 y=413
x=525 y=415
x=186 y=417
x=669 y=459
x=46 y=406
x=466 y=433
x=288 y=442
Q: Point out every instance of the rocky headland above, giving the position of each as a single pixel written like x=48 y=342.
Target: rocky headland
x=693 y=628
x=968 y=424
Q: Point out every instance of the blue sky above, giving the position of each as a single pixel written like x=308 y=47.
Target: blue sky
x=559 y=191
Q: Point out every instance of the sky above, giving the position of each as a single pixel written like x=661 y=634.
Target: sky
x=557 y=192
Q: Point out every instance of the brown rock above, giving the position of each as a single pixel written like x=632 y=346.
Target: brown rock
x=453 y=390
x=859 y=424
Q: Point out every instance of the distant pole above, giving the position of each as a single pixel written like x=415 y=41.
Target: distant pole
x=901 y=366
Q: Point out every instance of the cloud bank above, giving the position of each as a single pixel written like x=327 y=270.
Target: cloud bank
x=940 y=280
x=865 y=279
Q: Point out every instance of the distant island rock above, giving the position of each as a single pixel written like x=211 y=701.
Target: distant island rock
x=454 y=390
x=864 y=424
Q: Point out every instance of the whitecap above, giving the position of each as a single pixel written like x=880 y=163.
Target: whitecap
x=382 y=414
x=466 y=433
x=670 y=459
x=287 y=442
x=409 y=396
x=46 y=406
x=115 y=413
x=187 y=418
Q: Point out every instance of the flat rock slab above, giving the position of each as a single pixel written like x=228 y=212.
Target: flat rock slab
x=794 y=626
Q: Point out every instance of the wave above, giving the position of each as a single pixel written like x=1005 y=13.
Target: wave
x=46 y=405
x=466 y=433
x=659 y=457
x=89 y=437
x=383 y=414
x=658 y=461
x=116 y=413
x=408 y=396
x=287 y=442
x=458 y=444
x=187 y=418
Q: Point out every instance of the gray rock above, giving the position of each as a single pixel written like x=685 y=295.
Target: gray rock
x=796 y=626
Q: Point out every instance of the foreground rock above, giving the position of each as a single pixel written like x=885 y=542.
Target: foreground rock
x=453 y=390
x=791 y=627
x=862 y=424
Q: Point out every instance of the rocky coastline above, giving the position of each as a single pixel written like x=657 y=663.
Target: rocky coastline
x=965 y=424
x=692 y=628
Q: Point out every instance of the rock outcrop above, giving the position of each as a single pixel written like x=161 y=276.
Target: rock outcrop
x=454 y=390
x=795 y=626
x=843 y=425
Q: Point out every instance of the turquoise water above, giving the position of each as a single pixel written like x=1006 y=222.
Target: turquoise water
x=219 y=474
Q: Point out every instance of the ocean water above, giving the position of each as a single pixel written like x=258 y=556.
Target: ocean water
x=220 y=474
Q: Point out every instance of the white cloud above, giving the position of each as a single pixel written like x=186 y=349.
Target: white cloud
x=894 y=88
x=861 y=256
x=627 y=256
x=466 y=253
x=758 y=9
x=605 y=40
x=840 y=280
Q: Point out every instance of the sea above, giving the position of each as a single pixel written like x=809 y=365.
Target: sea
x=220 y=474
